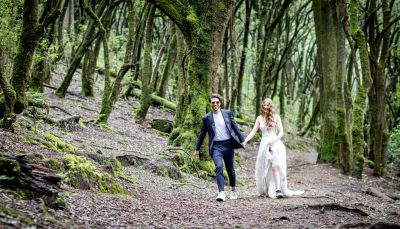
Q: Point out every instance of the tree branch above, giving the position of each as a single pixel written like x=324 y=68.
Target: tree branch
x=173 y=9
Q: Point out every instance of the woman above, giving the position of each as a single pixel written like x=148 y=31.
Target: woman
x=270 y=170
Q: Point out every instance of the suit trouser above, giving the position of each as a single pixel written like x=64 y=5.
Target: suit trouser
x=223 y=151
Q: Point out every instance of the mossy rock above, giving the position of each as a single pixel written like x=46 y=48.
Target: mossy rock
x=188 y=164
x=81 y=173
x=162 y=125
x=9 y=167
x=168 y=171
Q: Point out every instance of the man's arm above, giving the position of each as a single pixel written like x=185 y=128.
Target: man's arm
x=201 y=137
x=236 y=128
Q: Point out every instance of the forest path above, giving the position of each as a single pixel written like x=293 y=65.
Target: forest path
x=331 y=200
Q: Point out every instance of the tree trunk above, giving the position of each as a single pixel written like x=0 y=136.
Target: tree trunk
x=282 y=95
x=145 y=99
x=324 y=11
x=362 y=91
x=7 y=100
x=89 y=36
x=202 y=28
x=180 y=80
x=171 y=56
x=234 y=64
x=244 y=54
x=343 y=144
x=29 y=40
x=137 y=44
x=379 y=50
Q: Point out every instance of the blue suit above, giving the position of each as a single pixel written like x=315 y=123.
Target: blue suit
x=221 y=150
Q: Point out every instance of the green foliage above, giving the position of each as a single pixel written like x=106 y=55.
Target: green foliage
x=370 y=164
x=192 y=17
x=393 y=151
x=10 y=25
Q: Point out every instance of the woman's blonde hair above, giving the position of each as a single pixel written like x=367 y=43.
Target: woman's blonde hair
x=268 y=113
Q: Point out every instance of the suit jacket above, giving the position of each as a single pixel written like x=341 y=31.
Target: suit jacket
x=209 y=127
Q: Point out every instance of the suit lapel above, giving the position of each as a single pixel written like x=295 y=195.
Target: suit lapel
x=226 y=119
x=211 y=121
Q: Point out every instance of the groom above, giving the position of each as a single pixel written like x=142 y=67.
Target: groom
x=224 y=136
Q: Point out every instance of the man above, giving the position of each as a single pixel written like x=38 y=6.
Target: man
x=224 y=136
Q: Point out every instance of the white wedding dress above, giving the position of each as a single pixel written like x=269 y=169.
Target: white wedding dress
x=267 y=154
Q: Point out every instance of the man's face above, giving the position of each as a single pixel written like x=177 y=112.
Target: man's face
x=215 y=104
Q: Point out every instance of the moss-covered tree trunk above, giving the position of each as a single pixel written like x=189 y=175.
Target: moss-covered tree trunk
x=171 y=56
x=145 y=99
x=80 y=52
x=282 y=94
x=137 y=46
x=23 y=60
x=160 y=54
x=343 y=143
x=324 y=11
x=243 y=56
x=7 y=100
x=234 y=64
x=362 y=91
x=87 y=81
x=202 y=24
x=180 y=80
x=111 y=92
x=379 y=51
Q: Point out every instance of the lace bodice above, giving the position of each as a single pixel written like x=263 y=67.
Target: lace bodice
x=273 y=132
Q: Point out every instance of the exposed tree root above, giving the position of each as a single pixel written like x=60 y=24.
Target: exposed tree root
x=336 y=207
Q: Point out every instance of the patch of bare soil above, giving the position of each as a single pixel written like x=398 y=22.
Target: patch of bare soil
x=331 y=200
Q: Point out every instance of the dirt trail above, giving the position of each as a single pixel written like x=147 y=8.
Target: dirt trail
x=331 y=200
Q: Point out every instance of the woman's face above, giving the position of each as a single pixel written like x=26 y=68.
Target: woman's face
x=266 y=105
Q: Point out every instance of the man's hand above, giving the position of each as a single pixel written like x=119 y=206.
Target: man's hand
x=196 y=154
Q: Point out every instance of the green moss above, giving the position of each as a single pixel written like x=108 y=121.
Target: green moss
x=7 y=211
x=50 y=146
x=9 y=167
x=26 y=219
x=58 y=143
x=221 y=6
x=53 y=163
x=35 y=157
x=192 y=17
x=81 y=173
x=109 y=185
x=116 y=167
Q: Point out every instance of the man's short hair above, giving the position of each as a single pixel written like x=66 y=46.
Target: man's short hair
x=215 y=95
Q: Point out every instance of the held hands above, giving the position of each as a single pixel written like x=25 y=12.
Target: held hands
x=196 y=154
x=244 y=144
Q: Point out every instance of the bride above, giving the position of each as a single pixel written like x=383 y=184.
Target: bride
x=270 y=169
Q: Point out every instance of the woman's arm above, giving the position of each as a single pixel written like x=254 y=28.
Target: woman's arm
x=254 y=130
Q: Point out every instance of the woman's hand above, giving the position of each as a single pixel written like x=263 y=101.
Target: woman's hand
x=244 y=143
